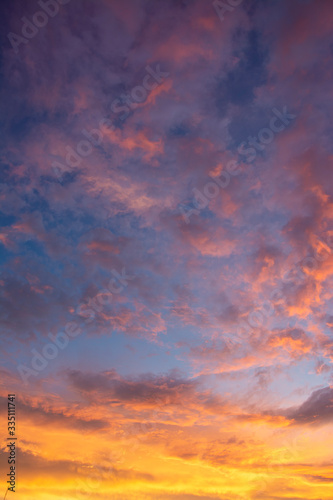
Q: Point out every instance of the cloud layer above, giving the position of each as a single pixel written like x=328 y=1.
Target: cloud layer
x=166 y=192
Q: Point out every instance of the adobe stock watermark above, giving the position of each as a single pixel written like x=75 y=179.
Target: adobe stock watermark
x=72 y=329
x=39 y=20
x=124 y=104
x=93 y=481
x=222 y=8
x=88 y=486
x=290 y=450
x=211 y=190
x=297 y=275
x=277 y=124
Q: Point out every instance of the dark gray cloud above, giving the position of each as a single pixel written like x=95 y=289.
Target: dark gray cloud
x=146 y=389
x=317 y=409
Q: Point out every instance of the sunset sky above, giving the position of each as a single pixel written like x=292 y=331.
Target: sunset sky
x=166 y=245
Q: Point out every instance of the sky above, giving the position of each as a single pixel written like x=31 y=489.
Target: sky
x=166 y=239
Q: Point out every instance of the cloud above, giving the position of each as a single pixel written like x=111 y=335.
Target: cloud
x=209 y=430
x=39 y=414
x=317 y=409
x=146 y=390
x=37 y=465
